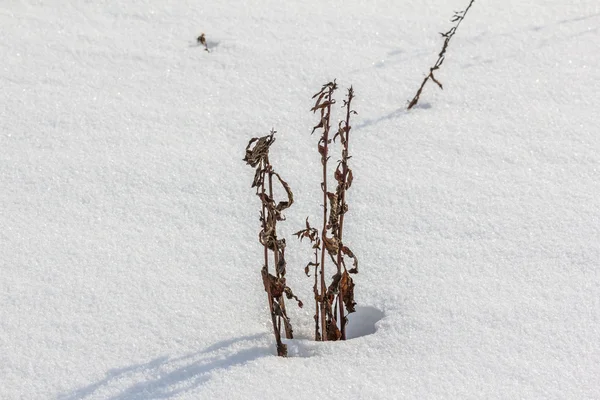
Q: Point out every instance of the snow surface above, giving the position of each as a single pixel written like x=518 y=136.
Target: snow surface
x=128 y=252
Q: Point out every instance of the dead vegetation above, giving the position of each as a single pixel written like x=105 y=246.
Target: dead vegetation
x=274 y=265
x=334 y=300
x=202 y=41
x=458 y=17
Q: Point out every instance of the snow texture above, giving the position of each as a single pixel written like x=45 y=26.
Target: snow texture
x=128 y=243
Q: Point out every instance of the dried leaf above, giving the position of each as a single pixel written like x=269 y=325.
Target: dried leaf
x=319 y=97
x=260 y=151
x=290 y=295
x=281 y=264
x=349 y=179
x=347 y=290
x=333 y=288
x=322 y=105
x=322 y=150
x=273 y=285
x=339 y=176
x=345 y=250
x=310 y=264
x=258 y=178
x=331 y=244
x=311 y=233
x=284 y=204
x=333 y=332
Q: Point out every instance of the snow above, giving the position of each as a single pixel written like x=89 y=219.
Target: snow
x=130 y=266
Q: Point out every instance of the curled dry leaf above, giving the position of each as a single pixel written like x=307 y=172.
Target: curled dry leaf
x=259 y=177
x=338 y=175
x=282 y=205
x=273 y=285
x=333 y=288
x=260 y=151
x=330 y=86
x=268 y=239
x=310 y=264
x=281 y=263
x=345 y=250
x=347 y=288
x=331 y=245
x=290 y=295
x=349 y=179
x=322 y=150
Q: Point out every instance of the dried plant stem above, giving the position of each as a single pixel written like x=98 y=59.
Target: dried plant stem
x=281 y=351
x=334 y=301
x=316 y=293
x=257 y=156
x=276 y=252
x=458 y=18
x=345 y=139
x=313 y=235
x=202 y=40
x=324 y=103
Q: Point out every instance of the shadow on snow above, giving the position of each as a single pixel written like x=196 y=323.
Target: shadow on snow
x=165 y=377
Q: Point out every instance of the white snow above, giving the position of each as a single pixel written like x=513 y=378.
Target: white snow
x=129 y=260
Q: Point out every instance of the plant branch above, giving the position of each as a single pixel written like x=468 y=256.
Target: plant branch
x=458 y=17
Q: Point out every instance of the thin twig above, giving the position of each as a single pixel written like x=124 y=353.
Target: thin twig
x=458 y=17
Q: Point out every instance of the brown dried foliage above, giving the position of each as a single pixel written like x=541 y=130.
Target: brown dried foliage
x=202 y=40
x=257 y=156
x=458 y=18
x=332 y=301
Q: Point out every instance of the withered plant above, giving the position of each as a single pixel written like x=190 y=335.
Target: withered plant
x=257 y=156
x=202 y=40
x=333 y=301
x=458 y=18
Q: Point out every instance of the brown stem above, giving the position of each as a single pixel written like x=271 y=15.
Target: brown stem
x=323 y=235
x=280 y=300
x=324 y=158
x=458 y=18
x=345 y=153
x=276 y=327
x=316 y=291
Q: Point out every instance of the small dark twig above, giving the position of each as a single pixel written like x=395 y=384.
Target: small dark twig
x=202 y=40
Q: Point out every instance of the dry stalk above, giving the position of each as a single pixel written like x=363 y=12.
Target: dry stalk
x=323 y=105
x=313 y=235
x=202 y=40
x=343 y=176
x=458 y=18
x=330 y=301
x=257 y=156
